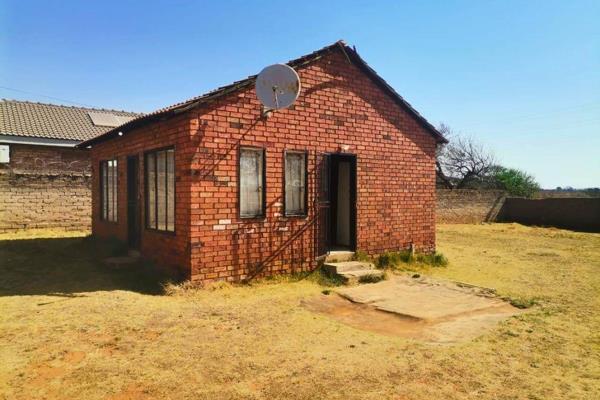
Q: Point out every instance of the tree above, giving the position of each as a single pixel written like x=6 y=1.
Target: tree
x=463 y=162
x=515 y=181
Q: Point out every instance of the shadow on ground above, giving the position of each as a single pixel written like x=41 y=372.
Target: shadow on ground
x=69 y=267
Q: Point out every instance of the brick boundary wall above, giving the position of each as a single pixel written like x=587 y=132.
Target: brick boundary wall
x=570 y=213
x=468 y=206
x=45 y=187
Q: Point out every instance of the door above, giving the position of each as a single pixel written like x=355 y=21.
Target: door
x=133 y=202
x=322 y=203
x=342 y=212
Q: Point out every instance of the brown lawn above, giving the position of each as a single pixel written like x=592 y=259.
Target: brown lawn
x=70 y=329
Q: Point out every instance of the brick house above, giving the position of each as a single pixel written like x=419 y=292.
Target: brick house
x=45 y=182
x=214 y=189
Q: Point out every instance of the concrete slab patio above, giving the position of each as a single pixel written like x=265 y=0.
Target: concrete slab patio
x=420 y=308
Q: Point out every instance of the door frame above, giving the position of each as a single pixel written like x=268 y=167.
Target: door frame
x=134 y=218
x=334 y=160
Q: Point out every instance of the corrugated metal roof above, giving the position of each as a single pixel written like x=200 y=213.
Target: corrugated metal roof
x=52 y=121
x=340 y=45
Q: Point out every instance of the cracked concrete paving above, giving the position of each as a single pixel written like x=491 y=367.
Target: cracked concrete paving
x=424 y=309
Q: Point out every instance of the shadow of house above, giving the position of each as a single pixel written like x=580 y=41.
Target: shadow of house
x=67 y=267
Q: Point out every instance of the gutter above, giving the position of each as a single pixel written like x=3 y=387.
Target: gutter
x=13 y=139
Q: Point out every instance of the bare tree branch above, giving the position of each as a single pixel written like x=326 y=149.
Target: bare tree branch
x=463 y=161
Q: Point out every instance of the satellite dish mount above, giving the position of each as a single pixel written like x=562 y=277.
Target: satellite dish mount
x=277 y=87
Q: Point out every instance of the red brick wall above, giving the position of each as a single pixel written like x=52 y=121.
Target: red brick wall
x=165 y=248
x=45 y=187
x=338 y=106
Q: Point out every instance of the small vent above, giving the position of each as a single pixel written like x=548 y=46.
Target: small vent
x=108 y=119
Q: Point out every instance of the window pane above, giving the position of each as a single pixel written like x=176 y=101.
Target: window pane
x=251 y=176
x=113 y=188
x=151 y=191
x=161 y=188
x=171 y=190
x=295 y=185
x=103 y=189
x=110 y=191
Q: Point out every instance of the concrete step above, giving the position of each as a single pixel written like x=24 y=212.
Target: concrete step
x=121 y=262
x=353 y=272
x=362 y=276
x=343 y=266
x=338 y=256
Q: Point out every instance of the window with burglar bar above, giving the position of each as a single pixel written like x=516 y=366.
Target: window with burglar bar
x=252 y=179
x=295 y=183
x=159 y=166
x=108 y=190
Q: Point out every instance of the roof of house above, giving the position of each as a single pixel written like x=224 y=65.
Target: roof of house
x=52 y=121
x=340 y=45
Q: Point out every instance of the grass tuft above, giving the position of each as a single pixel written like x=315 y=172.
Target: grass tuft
x=522 y=302
x=361 y=255
x=396 y=259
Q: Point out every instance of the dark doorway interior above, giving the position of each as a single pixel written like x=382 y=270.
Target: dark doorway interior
x=133 y=202
x=342 y=196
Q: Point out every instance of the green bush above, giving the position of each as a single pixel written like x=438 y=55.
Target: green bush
x=516 y=182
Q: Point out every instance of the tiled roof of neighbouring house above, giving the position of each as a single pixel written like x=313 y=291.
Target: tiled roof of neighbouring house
x=52 y=121
x=349 y=52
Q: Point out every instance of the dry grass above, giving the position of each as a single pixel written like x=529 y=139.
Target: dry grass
x=70 y=329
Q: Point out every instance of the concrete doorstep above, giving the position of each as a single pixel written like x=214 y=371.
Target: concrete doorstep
x=354 y=272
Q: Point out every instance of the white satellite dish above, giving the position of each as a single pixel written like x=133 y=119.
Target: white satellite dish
x=277 y=86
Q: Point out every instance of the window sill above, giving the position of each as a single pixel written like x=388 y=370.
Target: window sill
x=247 y=217
x=299 y=216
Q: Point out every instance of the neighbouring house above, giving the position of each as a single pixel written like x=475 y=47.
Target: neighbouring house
x=212 y=188
x=45 y=182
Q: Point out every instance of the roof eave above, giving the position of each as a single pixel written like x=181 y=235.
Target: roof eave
x=354 y=56
x=350 y=53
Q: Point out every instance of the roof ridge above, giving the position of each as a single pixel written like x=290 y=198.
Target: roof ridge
x=350 y=53
x=66 y=106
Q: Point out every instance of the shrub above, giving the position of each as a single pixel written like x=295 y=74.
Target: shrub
x=516 y=182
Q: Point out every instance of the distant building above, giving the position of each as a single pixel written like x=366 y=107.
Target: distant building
x=45 y=181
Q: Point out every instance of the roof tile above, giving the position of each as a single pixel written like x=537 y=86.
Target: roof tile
x=51 y=121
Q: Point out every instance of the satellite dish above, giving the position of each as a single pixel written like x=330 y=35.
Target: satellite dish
x=277 y=86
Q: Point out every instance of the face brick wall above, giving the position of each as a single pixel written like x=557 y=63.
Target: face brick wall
x=164 y=248
x=339 y=108
x=45 y=187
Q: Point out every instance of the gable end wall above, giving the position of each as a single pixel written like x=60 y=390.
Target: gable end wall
x=339 y=108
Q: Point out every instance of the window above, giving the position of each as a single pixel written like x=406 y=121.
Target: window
x=108 y=190
x=160 y=190
x=252 y=178
x=295 y=183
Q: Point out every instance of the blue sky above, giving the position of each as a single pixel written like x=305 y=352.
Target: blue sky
x=521 y=76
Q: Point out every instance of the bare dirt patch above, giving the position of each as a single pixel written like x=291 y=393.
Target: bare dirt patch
x=428 y=310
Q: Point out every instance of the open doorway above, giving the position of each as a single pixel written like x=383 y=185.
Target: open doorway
x=342 y=211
